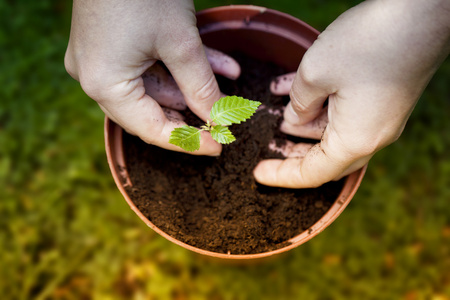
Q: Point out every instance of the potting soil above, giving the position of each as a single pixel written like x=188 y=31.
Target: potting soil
x=214 y=203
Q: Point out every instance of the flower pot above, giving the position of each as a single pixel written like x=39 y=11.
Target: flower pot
x=266 y=35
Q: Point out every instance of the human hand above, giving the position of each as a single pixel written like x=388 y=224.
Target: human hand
x=372 y=65
x=113 y=51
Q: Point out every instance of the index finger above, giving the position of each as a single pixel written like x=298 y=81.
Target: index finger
x=194 y=76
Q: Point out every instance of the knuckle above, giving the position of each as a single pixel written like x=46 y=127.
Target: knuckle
x=92 y=77
x=93 y=84
x=297 y=103
x=207 y=91
x=90 y=84
x=69 y=65
x=308 y=72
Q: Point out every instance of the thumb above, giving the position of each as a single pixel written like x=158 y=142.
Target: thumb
x=312 y=170
x=193 y=74
x=324 y=162
x=307 y=98
x=139 y=114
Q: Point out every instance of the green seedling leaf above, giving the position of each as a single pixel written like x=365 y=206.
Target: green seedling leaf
x=227 y=111
x=186 y=137
x=233 y=110
x=222 y=134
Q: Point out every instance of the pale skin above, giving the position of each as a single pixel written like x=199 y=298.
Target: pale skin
x=372 y=63
x=113 y=49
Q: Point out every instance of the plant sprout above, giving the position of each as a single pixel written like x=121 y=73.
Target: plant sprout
x=227 y=111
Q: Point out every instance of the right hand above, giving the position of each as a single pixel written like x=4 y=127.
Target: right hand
x=372 y=64
x=113 y=43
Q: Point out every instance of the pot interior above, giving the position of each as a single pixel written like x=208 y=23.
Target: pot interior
x=257 y=32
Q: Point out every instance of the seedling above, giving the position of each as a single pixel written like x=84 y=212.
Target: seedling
x=227 y=111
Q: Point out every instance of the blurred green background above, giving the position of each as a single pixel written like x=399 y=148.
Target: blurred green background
x=66 y=232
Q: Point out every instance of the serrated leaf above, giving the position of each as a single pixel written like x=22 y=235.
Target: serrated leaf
x=186 y=137
x=222 y=134
x=233 y=110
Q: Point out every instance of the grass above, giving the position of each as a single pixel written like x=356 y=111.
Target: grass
x=66 y=233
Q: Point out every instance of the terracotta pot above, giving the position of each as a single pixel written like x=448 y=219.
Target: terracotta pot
x=267 y=35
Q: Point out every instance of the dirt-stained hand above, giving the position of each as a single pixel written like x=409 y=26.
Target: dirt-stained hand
x=372 y=64
x=112 y=51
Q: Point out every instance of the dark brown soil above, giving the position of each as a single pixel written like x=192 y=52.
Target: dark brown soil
x=215 y=203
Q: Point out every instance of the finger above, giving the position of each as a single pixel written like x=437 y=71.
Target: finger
x=292 y=172
x=170 y=114
x=283 y=149
x=299 y=150
x=307 y=100
x=290 y=149
x=145 y=118
x=317 y=167
x=173 y=115
x=162 y=87
x=281 y=85
x=194 y=76
x=311 y=130
x=222 y=64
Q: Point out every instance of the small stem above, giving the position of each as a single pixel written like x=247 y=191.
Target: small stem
x=208 y=126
